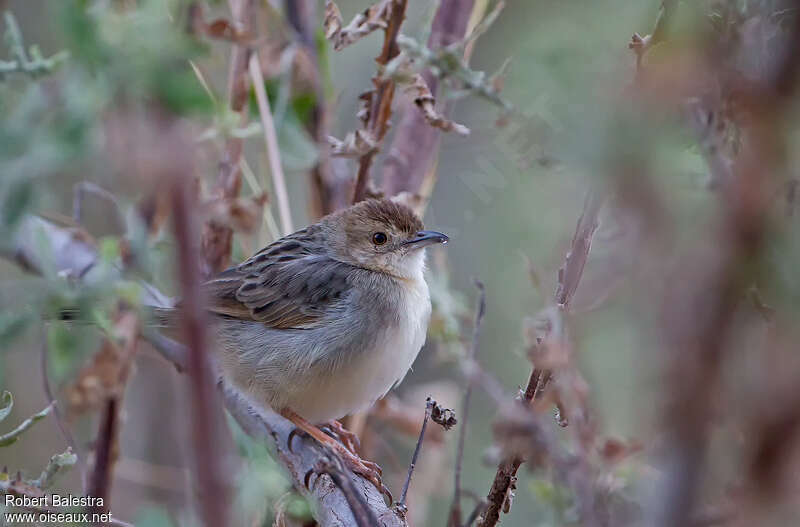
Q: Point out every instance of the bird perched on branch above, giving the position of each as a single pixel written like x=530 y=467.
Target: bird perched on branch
x=325 y=321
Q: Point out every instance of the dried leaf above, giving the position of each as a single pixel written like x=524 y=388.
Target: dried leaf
x=239 y=214
x=419 y=91
x=445 y=417
x=333 y=19
x=355 y=144
x=365 y=106
x=107 y=372
x=364 y=23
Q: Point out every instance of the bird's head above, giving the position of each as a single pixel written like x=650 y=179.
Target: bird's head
x=381 y=235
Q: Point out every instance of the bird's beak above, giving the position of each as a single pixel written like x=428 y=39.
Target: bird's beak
x=425 y=238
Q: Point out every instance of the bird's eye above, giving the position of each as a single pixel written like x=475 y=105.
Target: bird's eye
x=379 y=238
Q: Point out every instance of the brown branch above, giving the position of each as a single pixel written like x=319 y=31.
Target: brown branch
x=379 y=100
x=415 y=143
x=455 y=507
x=569 y=276
x=213 y=492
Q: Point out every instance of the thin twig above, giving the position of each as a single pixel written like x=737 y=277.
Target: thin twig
x=429 y=404
x=455 y=507
x=271 y=140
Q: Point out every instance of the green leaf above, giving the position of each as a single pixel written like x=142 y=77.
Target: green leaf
x=7 y=404
x=12 y=437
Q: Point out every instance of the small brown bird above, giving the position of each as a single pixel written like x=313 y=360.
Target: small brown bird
x=325 y=321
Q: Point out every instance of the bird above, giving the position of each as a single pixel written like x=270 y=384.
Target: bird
x=325 y=321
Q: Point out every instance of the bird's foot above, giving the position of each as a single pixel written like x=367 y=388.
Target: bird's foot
x=347 y=438
x=369 y=470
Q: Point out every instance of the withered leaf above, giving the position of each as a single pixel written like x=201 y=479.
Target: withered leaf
x=107 y=372
x=419 y=91
x=364 y=23
x=355 y=144
x=239 y=214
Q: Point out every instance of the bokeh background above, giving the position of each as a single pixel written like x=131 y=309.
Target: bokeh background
x=509 y=195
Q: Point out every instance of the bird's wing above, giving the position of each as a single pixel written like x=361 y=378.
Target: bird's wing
x=286 y=285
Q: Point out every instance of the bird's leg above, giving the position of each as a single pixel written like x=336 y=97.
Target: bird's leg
x=368 y=469
x=345 y=436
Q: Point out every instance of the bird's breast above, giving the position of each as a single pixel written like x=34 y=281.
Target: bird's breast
x=383 y=361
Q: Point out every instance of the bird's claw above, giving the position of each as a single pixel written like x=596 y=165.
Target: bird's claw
x=292 y=434
x=344 y=436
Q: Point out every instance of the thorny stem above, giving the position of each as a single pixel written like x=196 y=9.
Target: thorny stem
x=569 y=276
x=382 y=96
